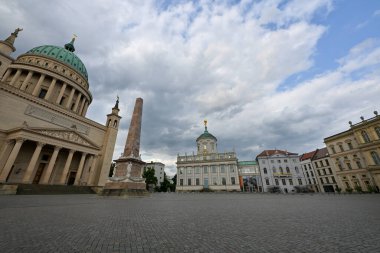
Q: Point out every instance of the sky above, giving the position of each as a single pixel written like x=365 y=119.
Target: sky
x=265 y=74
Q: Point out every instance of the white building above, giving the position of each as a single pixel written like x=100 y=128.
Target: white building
x=280 y=170
x=208 y=169
x=159 y=171
x=309 y=171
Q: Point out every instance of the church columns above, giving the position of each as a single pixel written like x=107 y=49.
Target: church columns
x=6 y=75
x=27 y=79
x=15 y=77
x=67 y=167
x=38 y=85
x=82 y=106
x=68 y=104
x=5 y=151
x=91 y=177
x=85 y=108
x=80 y=169
x=51 y=88
x=49 y=170
x=61 y=92
x=30 y=170
x=11 y=159
x=77 y=102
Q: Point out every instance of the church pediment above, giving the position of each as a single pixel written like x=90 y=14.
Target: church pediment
x=66 y=135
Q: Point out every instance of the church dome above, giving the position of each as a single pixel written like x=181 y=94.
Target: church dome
x=64 y=55
x=206 y=135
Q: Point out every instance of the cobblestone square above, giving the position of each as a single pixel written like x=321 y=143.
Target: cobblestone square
x=191 y=222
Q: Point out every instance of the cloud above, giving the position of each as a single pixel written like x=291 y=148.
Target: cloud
x=207 y=59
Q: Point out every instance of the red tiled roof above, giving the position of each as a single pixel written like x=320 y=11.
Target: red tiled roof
x=308 y=155
x=322 y=153
x=270 y=152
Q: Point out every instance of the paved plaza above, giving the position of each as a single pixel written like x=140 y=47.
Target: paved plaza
x=191 y=222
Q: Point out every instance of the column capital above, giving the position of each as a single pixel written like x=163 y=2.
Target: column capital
x=19 y=139
x=57 y=147
x=41 y=144
x=72 y=151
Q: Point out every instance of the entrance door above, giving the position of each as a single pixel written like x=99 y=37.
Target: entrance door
x=205 y=185
x=39 y=172
x=71 y=179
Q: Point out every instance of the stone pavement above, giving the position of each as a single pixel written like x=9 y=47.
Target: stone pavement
x=191 y=222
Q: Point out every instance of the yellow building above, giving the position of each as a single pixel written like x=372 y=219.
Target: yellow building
x=356 y=155
x=45 y=137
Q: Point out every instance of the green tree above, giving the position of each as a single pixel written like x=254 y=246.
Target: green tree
x=149 y=176
x=173 y=185
x=165 y=185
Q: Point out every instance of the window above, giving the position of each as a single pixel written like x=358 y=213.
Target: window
x=279 y=161
x=62 y=101
x=276 y=181
x=309 y=166
x=299 y=181
x=321 y=163
x=350 y=145
x=232 y=180
x=324 y=171
x=321 y=180
x=288 y=170
x=214 y=180
x=213 y=168
x=223 y=181
x=316 y=164
x=197 y=170
x=377 y=130
x=181 y=182
x=365 y=136
x=330 y=171
x=341 y=148
x=333 y=179
x=197 y=181
x=333 y=149
x=315 y=182
x=189 y=171
x=272 y=161
x=222 y=169
x=311 y=173
x=358 y=164
x=307 y=174
x=232 y=168
x=205 y=169
x=375 y=157
x=290 y=181
x=72 y=108
x=42 y=93
x=309 y=181
x=296 y=168
x=319 y=172
x=267 y=181
x=189 y=181
x=283 y=181
x=281 y=171
x=340 y=166
x=265 y=171
x=305 y=167
x=327 y=180
x=180 y=170
x=327 y=162
x=285 y=160
x=349 y=166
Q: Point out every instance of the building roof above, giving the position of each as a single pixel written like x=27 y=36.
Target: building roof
x=270 y=152
x=308 y=155
x=321 y=153
x=206 y=135
x=64 y=55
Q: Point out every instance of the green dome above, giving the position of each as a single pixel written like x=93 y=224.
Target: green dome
x=63 y=55
x=206 y=135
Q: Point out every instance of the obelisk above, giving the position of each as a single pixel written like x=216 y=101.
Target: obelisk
x=127 y=175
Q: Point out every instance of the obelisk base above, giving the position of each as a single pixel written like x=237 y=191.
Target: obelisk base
x=127 y=178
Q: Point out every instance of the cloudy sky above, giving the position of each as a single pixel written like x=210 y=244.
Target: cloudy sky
x=265 y=74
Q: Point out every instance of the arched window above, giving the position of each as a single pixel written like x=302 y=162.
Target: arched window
x=375 y=157
x=281 y=171
x=287 y=170
x=109 y=122
x=115 y=123
x=365 y=137
x=377 y=129
x=297 y=170
x=265 y=171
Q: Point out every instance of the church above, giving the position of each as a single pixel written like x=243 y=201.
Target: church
x=45 y=136
x=208 y=169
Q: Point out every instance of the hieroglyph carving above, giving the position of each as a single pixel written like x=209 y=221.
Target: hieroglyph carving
x=55 y=119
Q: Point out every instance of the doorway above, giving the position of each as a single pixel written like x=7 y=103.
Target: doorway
x=71 y=179
x=205 y=185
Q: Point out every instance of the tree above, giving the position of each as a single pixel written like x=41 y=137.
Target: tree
x=149 y=176
x=165 y=185
x=173 y=185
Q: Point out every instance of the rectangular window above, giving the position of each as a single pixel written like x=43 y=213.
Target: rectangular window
x=42 y=93
x=197 y=170
x=307 y=174
x=290 y=181
x=327 y=180
x=333 y=150
x=189 y=171
x=311 y=173
x=315 y=182
x=305 y=167
x=181 y=182
x=283 y=181
x=324 y=171
x=341 y=148
x=299 y=181
x=285 y=160
x=197 y=181
x=205 y=169
x=319 y=172
x=321 y=163
x=349 y=166
x=214 y=180
x=316 y=164
x=309 y=181
x=321 y=180
x=278 y=161
x=276 y=181
x=350 y=145
x=223 y=181
x=232 y=168
x=222 y=169
x=233 y=180
x=267 y=181
x=309 y=166
x=330 y=171
x=189 y=181
x=333 y=179
x=358 y=164
x=180 y=170
x=213 y=168
x=327 y=162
